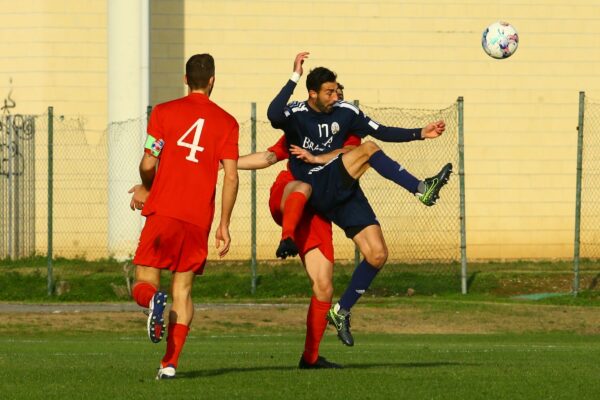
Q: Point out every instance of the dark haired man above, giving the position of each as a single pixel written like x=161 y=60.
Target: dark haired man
x=320 y=125
x=190 y=136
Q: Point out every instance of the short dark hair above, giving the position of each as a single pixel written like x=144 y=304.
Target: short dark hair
x=198 y=70
x=319 y=76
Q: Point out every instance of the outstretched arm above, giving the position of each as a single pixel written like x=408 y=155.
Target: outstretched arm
x=433 y=130
x=393 y=134
x=259 y=160
x=275 y=112
x=320 y=159
x=362 y=125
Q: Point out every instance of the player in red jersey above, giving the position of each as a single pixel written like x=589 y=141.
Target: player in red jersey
x=313 y=237
x=190 y=136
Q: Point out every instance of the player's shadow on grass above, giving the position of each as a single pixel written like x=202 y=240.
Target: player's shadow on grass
x=408 y=365
x=222 y=371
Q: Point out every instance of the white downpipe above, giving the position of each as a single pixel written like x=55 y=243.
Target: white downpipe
x=128 y=94
x=144 y=55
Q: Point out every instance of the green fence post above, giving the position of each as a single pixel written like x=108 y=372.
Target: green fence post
x=50 y=193
x=461 y=175
x=253 y=199
x=356 y=249
x=578 y=194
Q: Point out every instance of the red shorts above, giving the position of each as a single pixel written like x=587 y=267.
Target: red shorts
x=169 y=243
x=313 y=231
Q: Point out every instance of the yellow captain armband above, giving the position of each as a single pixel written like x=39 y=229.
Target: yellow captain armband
x=154 y=146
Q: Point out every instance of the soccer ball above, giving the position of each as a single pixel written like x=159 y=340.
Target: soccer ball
x=500 y=40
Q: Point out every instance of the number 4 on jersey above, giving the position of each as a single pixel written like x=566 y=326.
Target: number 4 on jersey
x=197 y=128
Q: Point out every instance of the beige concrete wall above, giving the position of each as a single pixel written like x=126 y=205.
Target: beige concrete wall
x=520 y=113
x=53 y=53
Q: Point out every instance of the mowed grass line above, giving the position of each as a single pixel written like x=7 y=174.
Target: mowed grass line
x=263 y=366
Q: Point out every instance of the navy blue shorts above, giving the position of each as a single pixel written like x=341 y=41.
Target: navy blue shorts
x=338 y=196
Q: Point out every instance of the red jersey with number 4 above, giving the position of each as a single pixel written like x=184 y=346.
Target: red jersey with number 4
x=192 y=134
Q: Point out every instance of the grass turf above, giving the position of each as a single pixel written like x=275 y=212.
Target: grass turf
x=105 y=280
x=263 y=365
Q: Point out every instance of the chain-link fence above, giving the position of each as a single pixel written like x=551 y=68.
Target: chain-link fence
x=76 y=173
x=88 y=214
x=587 y=212
x=423 y=239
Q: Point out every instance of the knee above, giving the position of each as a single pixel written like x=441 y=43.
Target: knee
x=377 y=258
x=323 y=291
x=370 y=147
x=304 y=188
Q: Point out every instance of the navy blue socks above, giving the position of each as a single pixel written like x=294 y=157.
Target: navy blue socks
x=361 y=280
x=390 y=169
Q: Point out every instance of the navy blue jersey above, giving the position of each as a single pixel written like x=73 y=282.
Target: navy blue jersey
x=321 y=133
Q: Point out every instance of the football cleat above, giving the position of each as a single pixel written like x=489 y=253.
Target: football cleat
x=340 y=319
x=287 y=248
x=321 y=363
x=433 y=186
x=167 y=372
x=156 y=321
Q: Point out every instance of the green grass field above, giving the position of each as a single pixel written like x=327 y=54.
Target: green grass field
x=263 y=366
x=436 y=344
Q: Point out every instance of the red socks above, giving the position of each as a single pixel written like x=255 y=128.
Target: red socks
x=177 y=333
x=315 y=328
x=292 y=212
x=142 y=293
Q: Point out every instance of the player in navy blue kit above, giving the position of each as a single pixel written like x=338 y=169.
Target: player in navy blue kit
x=320 y=125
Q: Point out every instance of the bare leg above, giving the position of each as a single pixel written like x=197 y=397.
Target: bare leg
x=180 y=318
x=356 y=161
x=182 y=308
x=372 y=245
x=320 y=274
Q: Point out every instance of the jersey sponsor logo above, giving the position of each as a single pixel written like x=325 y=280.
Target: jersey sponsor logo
x=312 y=146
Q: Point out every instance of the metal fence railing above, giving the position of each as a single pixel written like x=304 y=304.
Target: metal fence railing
x=587 y=205
x=17 y=185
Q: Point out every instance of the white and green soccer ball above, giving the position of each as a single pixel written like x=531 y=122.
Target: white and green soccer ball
x=500 y=40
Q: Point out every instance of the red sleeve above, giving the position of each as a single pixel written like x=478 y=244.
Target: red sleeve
x=154 y=124
x=352 y=140
x=280 y=149
x=231 y=149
